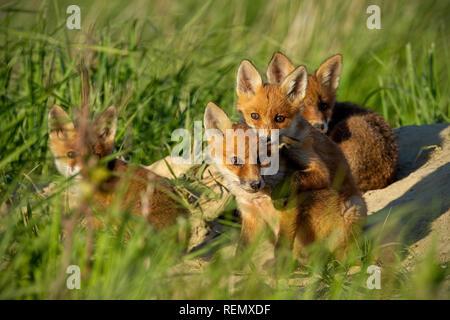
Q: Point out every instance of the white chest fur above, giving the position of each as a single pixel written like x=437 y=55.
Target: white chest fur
x=259 y=205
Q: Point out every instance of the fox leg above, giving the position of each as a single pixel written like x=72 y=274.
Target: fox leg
x=312 y=172
x=354 y=213
x=354 y=209
x=315 y=176
x=252 y=227
x=285 y=238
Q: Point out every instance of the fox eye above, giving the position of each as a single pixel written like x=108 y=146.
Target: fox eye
x=255 y=116
x=236 y=161
x=71 y=154
x=323 y=106
x=279 y=118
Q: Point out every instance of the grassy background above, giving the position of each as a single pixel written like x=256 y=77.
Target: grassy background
x=160 y=62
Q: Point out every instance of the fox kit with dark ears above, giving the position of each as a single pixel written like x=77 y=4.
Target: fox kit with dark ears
x=311 y=215
x=145 y=193
x=366 y=139
x=320 y=162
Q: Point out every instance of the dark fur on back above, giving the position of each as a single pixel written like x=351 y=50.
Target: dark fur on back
x=368 y=143
x=364 y=136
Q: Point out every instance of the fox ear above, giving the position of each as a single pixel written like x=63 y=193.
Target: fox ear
x=329 y=72
x=294 y=85
x=279 y=68
x=59 y=122
x=106 y=125
x=248 y=80
x=216 y=118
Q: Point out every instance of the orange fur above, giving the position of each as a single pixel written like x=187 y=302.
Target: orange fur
x=364 y=136
x=322 y=163
x=318 y=158
x=144 y=192
x=306 y=217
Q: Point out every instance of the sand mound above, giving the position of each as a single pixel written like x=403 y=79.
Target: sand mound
x=416 y=206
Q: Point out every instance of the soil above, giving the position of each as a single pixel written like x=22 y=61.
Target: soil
x=418 y=203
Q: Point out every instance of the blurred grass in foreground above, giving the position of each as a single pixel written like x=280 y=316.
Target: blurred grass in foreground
x=160 y=62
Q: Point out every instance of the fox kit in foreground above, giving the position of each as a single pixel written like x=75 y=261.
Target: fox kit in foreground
x=319 y=161
x=313 y=214
x=366 y=139
x=145 y=192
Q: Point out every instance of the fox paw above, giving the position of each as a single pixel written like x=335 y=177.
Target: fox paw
x=287 y=142
x=354 y=209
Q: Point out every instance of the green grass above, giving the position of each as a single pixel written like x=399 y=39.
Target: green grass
x=160 y=62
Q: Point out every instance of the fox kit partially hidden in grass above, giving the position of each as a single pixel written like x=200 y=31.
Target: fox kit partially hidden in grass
x=366 y=139
x=144 y=192
x=310 y=215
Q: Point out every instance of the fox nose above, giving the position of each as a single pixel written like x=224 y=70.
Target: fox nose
x=255 y=185
x=320 y=126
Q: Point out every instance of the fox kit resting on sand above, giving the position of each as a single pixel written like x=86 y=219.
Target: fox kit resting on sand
x=145 y=192
x=312 y=215
x=366 y=139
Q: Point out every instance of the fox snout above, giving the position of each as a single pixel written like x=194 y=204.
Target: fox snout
x=252 y=185
x=321 y=126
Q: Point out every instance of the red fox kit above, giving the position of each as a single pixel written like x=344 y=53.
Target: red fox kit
x=364 y=136
x=314 y=215
x=320 y=161
x=145 y=192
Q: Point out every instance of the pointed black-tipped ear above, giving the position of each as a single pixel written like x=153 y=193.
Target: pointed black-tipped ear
x=106 y=125
x=248 y=80
x=294 y=85
x=329 y=72
x=59 y=122
x=279 y=67
x=216 y=118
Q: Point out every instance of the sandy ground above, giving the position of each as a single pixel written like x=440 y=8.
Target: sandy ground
x=421 y=195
